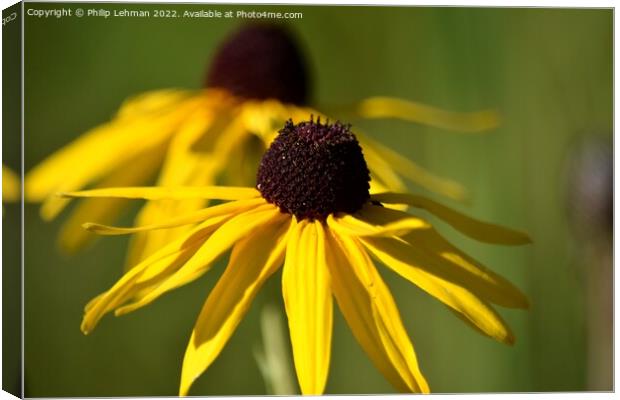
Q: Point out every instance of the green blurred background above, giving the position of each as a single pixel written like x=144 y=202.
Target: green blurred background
x=549 y=73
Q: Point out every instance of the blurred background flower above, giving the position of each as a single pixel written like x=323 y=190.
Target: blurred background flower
x=548 y=71
x=10 y=185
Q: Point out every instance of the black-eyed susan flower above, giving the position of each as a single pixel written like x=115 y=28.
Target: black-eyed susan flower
x=312 y=214
x=256 y=81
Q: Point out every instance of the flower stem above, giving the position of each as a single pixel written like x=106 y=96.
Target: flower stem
x=274 y=359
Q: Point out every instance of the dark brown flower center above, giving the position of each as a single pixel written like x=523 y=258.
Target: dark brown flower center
x=312 y=170
x=260 y=61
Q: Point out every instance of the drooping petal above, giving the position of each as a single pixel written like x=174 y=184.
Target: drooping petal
x=479 y=230
x=242 y=159
x=182 y=167
x=100 y=151
x=225 y=123
x=362 y=224
x=429 y=250
x=253 y=260
x=227 y=210
x=218 y=243
x=308 y=300
x=160 y=193
x=154 y=268
x=370 y=311
x=476 y=310
x=228 y=140
x=458 y=267
x=263 y=118
x=378 y=187
x=378 y=154
x=380 y=169
x=155 y=276
x=72 y=236
x=193 y=159
x=10 y=185
x=388 y=107
x=151 y=102
x=266 y=118
x=192 y=218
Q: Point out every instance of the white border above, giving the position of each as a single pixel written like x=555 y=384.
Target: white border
x=458 y=3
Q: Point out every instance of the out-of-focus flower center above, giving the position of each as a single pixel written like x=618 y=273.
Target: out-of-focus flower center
x=260 y=62
x=312 y=170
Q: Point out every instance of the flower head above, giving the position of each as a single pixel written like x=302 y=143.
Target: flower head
x=327 y=232
x=312 y=170
x=256 y=81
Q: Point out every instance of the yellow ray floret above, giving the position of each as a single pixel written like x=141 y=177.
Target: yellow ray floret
x=10 y=185
x=482 y=231
x=370 y=311
x=308 y=302
x=388 y=107
x=231 y=298
x=169 y=193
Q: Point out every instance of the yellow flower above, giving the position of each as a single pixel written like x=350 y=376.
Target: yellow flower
x=311 y=211
x=257 y=80
x=10 y=185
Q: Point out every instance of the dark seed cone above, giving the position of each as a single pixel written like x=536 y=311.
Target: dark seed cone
x=312 y=170
x=260 y=61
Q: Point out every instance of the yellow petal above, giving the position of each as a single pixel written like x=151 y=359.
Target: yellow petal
x=154 y=268
x=242 y=160
x=192 y=218
x=101 y=150
x=128 y=287
x=477 y=311
x=308 y=300
x=266 y=118
x=153 y=276
x=387 y=107
x=151 y=102
x=197 y=237
x=363 y=224
x=187 y=164
x=253 y=260
x=72 y=236
x=228 y=139
x=377 y=154
x=159 y=193
x=479 y=230
x=182 y=167
x=456 y=266
x=146 y=240
x=370 y=311
x=10 y=185
x=378 y=187
x=263 y=117
x=239 y=150
x=431 y=251
x=218 y=243
x=225 y=122
x=380 y=169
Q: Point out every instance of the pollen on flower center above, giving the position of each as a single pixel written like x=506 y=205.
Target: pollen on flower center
x=260 y=61
x=312 y=170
